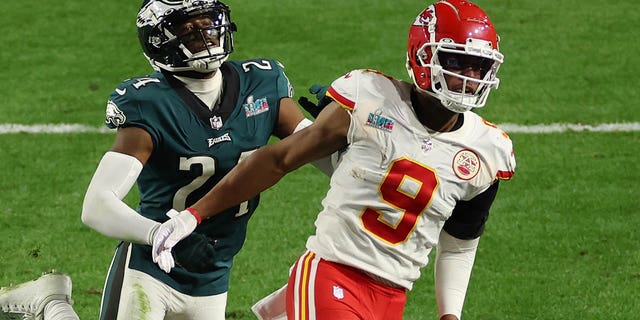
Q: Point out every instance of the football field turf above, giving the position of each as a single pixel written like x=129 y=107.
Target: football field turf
x=562 y=239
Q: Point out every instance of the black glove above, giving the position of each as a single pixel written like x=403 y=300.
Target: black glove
x=320 y=92
x=195 y=253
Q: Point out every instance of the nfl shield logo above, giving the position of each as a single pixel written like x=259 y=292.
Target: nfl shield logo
x=216 y=122
x=427 y=145
x=338 y=292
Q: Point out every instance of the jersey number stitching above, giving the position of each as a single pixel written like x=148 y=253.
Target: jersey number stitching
x=262 y=65
x=411 y=205
x=208 y=165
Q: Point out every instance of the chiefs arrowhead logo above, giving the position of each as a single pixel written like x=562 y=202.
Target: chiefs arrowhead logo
x=466 y=164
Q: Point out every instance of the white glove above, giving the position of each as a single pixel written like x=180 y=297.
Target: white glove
x=168 y=234
x=165 y=260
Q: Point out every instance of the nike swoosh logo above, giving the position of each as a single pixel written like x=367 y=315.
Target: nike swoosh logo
x=121 y=91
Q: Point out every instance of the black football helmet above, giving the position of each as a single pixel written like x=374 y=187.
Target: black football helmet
x=158 y=22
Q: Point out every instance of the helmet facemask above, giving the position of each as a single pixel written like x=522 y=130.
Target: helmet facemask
x=210 y=45
x=448 y=59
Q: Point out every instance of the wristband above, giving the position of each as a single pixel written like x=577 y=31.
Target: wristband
x=195 y=214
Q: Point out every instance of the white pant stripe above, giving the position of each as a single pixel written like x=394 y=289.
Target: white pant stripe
x=300 y=277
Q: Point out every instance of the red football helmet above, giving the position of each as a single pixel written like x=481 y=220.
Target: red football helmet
x=456 y=30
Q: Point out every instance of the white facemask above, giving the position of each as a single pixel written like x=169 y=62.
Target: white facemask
x=206 y=65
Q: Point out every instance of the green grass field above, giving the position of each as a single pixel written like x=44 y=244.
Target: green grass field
x=562 y=240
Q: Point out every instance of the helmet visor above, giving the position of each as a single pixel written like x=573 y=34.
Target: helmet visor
x=457 y=62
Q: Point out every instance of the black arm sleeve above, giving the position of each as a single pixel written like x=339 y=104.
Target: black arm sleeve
x=468 y=217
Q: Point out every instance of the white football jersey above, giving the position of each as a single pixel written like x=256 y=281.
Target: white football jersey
x=397 y=182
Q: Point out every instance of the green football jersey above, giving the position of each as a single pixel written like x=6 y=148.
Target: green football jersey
x=194 y=148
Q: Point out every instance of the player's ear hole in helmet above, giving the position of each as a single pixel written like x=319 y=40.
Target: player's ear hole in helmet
x=185 y=35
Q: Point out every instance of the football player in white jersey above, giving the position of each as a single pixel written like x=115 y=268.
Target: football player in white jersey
x=418 y=170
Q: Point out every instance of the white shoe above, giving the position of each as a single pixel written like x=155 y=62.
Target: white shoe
x=27 y=300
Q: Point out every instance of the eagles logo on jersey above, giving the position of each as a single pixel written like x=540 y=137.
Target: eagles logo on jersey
x=114 y=116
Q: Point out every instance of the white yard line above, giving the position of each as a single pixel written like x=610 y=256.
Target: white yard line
x=564 y=127
x=7 y=128
x=50 y=128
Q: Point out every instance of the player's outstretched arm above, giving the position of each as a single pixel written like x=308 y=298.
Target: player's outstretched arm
x=269 y=164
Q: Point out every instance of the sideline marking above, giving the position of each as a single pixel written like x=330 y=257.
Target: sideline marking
x=8 y=128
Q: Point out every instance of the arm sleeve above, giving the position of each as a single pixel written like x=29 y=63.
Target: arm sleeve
x=103 y=209
x=469 y=217
x=454 y=261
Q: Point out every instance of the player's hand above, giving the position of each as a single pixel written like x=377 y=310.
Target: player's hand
x=168 y=234
x=320 y=92
x=448 y=317
x=165 y=261
x=195 y=253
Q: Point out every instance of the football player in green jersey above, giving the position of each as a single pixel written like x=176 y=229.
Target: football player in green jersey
x=179 y=131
